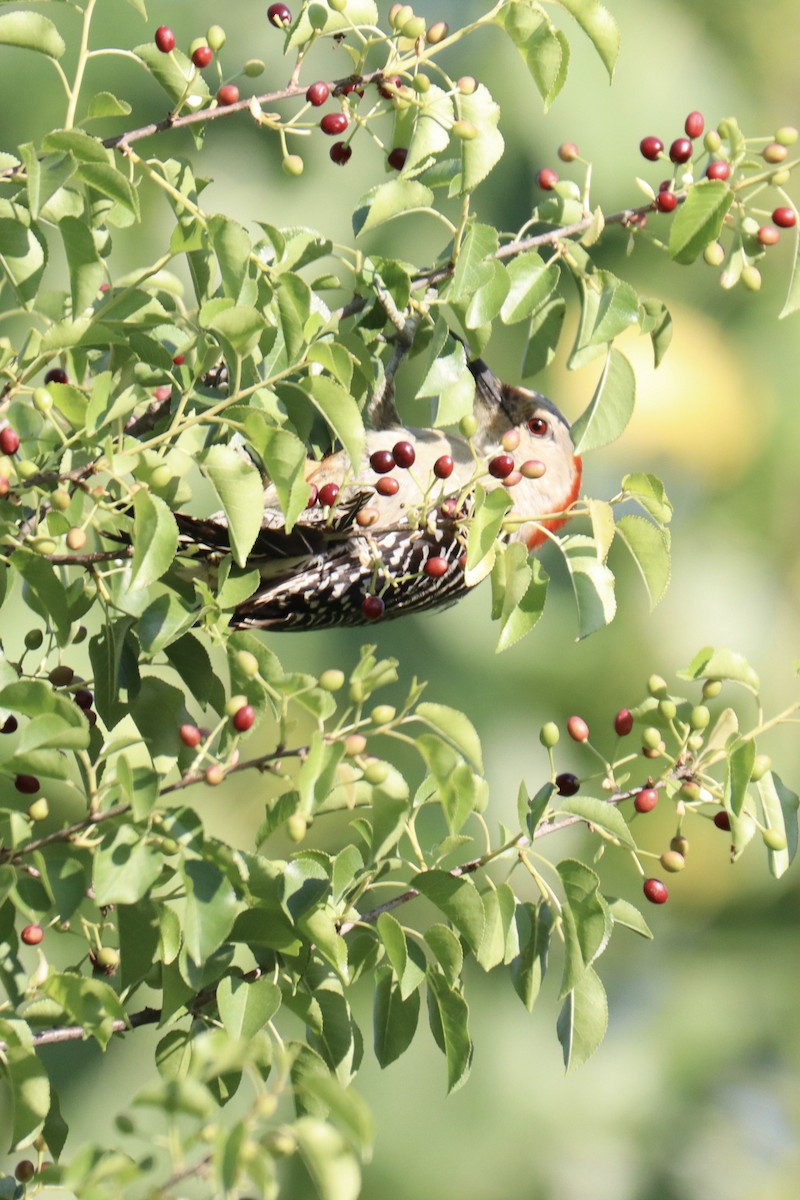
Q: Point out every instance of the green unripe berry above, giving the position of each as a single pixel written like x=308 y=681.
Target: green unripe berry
x=751 y=278
x=234 y=704
x=414 y=28
x=656 y=686
x=399 y=14
x=651 y=737
x=787 y=135
x=761 y=764
x=33 y=639
x=216 y=38
x=42 y=545
x=331 y=680
x=39 y=810
x=107 y=958
x=60 y=499
x=549 y=735
x=468 y=425
x=337 y=5
x=247 y=664
x=699 y=717
x=27 y=469
x=712 y=141
x=42 y=400
x=376 y=772
x=695 y=742
x=421 y=84
x=382 y=714
x=712 y=688
x=774 y=839
x=296 y=827
x=779 y=178
x=672 y=860
x=714 y=254
x=680 y=844
x=254 y=67
x=293 y=165
x=668 y=709
x=161 y=478
x=464 y=130
x=689 y=791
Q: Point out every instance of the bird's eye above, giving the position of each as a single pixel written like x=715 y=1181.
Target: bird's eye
x=538 y=426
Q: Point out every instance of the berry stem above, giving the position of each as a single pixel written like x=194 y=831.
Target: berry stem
x=80 y=66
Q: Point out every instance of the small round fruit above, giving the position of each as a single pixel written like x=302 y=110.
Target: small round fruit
x=751 y=278
x=214 y=775
x=27 y=784
x=467 y=85
x=42 y=400
x=376 y=772
x=227 y=94
x=681 y=150
x=389 y=86
x=443 y=467
x=33 y=639
x=774 y=839
x=318 y=93
x=722 y=820
x=714 y=254
x=216 y=38
x=254 y=67
x=165 y=39
x=387 y=485
x=337 y=5
x=404 y=454
x=279 y=15
x=655 y=891
x=61 y=676
x=382 y=714
x=711 y=689
x=712 y=142
x=202 y=57
x=247 y=662
x=512 y=479
x=761 y=764
x=768 y=235
x=190 y=736
x=382 y=461
x=56 y=375
x=293 y=165
x=699 y=717
x=332 y=680
x=719 y=169
x=9 y=440
x=680 y=844
x=645 y=800
x=465 y=130
x=413 y=28
x=623 y=722
x=354 y=744
x=668 y=709
x=690 y=791
x=651 y=737
x=666 y=202
x=10 y=725
x=372 y=608
x=533 y=468
x=296 y=827
x=76 y=539
x=549 y=735
x=651 y=148
x=577 y=729
x=340 y=153
x=500 y=466
x=39 y=810
x=334 y=123
x=567 y=784
x=437 y=33
x=694 y=125
x=397 y=158
x=468 y=425
x=568 y=152
x=695 y=743
x=547 y=179
x=672 y=860
x=784 y=217
x=656 y=686
x=774 y=153
x=510 y=439
x=787 y=135
x=32 y=935
x=244 y=718
x=24 y=1171
x=435 y=567
x=328 y=494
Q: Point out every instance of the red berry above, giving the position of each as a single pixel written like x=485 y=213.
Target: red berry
x=694 y=125
x=655 y=891
x=227 y=94
x=279 y=15
x=651 y=147
x=190 y=736
x=382 y=461
x=646 y=800
x=577 y=729
x=9 y=440
x=32 y=935
x=666 y=202
x=718 y=170
x=436 y=567
x=397 y=158
x=372 y=607
x=340 y=153
x=681 y=150
x=623 y=722
x=27 y=784
x=501 y=465
x=56 y=375
x=567 y=784
x=165 y=39
x=393 y=81
x=318 y=93
x=722 y=820
x=24 y=1171
x=351 y=87
x=328 y=493
x=162 y=394
x=83 y=699
x=312 y=499
x=568 y=152
x=10 y=725
x=547 y=179
x=202 y=56
x=404 y=454
x=784 y=217
x=387 y=486
x=244 y=719
x=334 y=123
x=179 y=360
x=768 y=235
x=443 y=467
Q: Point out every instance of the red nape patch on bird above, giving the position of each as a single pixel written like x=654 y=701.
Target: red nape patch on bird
x=538 y=536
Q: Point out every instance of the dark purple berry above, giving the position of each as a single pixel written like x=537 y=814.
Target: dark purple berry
x=404 y=454
x=279 y=15
x=681 y=150
x=567 y=784
x=372 y=607
x=340 y=153
x=382 y=461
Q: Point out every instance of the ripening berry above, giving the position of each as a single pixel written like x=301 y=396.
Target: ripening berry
x=681 y=844
x=76 y=539
x=404 y=454
x=568 y=152
x=577 y=729
x=9 y=440
x=512 y=479
x=354 y=745
x=24 y=1171
x=32 y=935
x=532 y=468
x=500 y=466
x=387 y=486
x=397 y=158
x=549 y=735
x=467 y=84
x=372 y=607
x=61 y=676
x=761 y=764
x=567 y=784
x=672 y=860
x=784 y=217
x=227 y=94
x=651 y=148
x=722 y=820
x=681 y=150
x=328 y=494
x=774 y=153
x=719 y=169
x=547 y=179
x=437 y=33
x=645 y=800
x=510 y=439
x=334 y=123
x=690 y=791
x=694 y=125
x=666 y=202
x=774 y=839
x=390 y=82
x=651 y=738
x=10 y=725
x=202 y=57
x=435 y=567
x=340 y=153
x=279 y=15
x=214 y=775
x=768 y=235
x=190 y=736
x=296 y=827
x=443 y=467
x=655 y=891
x=382 y=461
x=368 y=516
x=623 y=722
x=244 y=718
x=165 y=39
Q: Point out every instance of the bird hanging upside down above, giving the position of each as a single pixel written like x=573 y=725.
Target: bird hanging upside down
x=389 y=537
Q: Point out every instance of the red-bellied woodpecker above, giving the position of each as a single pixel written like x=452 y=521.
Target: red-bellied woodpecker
x=387 y=537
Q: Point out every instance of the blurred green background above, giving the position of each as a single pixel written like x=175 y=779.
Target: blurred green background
x=694 y=1093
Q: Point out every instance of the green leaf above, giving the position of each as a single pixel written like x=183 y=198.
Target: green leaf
x=30 y=31
x=481 y=153
x=357 y=12
x=498 y=911
x=587 y=926
x=650 y=547
x=232 y=247
x=626 y=914
x=245 y=1006
x=47 y=589
x=341 y=413
x=544 y=333
x=488 y=300
x=455 y=783
x=110 y=182
x=592 y=582
x=600 y=814
x=23 y=249
x=699 y=219
x=450 y=380
x=534 y=926
x=487 y=521
x=780 y=806
x=154 y=538
x=458 y=899
x=739 y=761
x=328 y=1158
x=172 y=72
x=792 y=302
x=544 y=49
x=284 y=457
x=524 y=584
x=86 y=268
x=480 y=241
x=344 y=1105
x=394 y=1019
x=583 y=1020
x=531 y=281
x=209 y=910
x=105 y=104
x=90 y=1003
x=27 y=1083
x=125 y=867
x=434 y=116
x=236 y=327
x=721 y=664
x=448 y=1015
x=611 y=407
x=447 y=949
x=455 y=728
x=599 y=26
x=386 y=201
x=241 y=493
x=648 y=491
x=658 y=323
